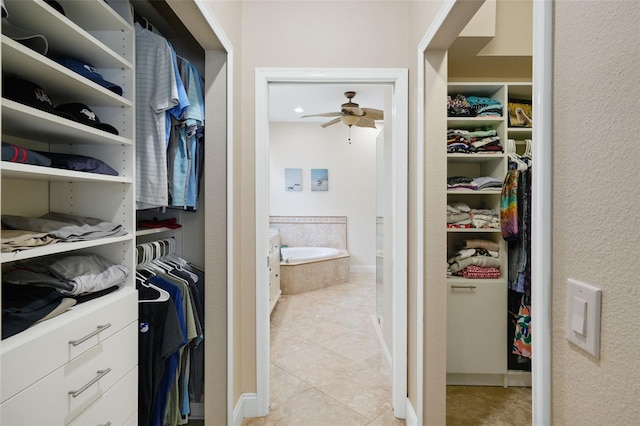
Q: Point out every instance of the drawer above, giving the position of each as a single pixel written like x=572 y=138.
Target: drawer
x=477 y=327
x=34 y=353
x=115 y=407
x=50 y=401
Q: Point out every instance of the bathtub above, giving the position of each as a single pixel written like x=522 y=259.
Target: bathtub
x=305 y=269
x=308 y=254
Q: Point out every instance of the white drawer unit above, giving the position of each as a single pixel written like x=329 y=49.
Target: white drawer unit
x=53 y=343
x=65 y=393
x=120 y=396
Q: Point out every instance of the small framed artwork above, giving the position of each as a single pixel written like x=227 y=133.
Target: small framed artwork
x=293 y=179
x=319 y=179
x=520 y=113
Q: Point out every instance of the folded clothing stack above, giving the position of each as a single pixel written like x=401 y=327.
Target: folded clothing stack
x=475 y=258
x=460 y=215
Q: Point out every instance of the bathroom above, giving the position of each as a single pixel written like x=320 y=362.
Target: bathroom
x=349 y=157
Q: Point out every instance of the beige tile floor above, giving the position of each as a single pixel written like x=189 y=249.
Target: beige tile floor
x=326 y=364
x=327 y=368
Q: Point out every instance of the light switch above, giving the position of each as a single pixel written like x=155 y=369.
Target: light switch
x=579 y=316
x=583 y=316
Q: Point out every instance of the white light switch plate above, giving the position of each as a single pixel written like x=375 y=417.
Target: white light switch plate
x=583 y=316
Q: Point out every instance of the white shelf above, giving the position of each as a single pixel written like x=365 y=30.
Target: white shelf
x=27 y=122
x=62 y=248
x=29 y=172
x=474 y=122
x=60 y=83
x=66 y=36
x=143 y=232
x=474 y=230
x=475 y=157
x=474 y=192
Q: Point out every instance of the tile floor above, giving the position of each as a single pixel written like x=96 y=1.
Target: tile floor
x=327 y=368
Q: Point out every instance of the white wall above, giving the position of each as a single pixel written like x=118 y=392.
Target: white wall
x=352 y=180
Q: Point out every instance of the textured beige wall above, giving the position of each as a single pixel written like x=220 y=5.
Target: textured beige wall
x=596 y=206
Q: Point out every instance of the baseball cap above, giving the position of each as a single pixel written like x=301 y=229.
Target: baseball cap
x=32 y=40
x=87 y=70
x=84 y=115
x=29 y=93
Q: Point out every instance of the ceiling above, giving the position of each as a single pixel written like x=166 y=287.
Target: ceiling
x=317 y=98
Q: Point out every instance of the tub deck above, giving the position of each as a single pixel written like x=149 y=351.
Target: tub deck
x=300 y=277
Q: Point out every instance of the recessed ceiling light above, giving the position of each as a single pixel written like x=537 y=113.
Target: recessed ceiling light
x=298 y=110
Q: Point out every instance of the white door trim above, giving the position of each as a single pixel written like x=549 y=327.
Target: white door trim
x=439 y=37
x=399 y=79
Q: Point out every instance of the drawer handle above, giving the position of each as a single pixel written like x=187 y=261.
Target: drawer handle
x=101 y=374
x=466 y=287
x=90 y=335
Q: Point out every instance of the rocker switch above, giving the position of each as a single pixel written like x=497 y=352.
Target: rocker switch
x=579 y=316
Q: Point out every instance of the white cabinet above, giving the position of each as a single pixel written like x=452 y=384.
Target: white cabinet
x=274 y=269
x=93 y=346
x=477 y=341
x=476 y=327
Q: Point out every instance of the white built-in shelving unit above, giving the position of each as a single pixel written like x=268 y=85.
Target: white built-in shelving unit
x=477 y=342
x=81 y=366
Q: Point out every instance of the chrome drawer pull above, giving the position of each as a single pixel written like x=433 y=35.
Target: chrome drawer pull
x=467 y=287
x=90 y=335
x=106 y=424
x=101 y=374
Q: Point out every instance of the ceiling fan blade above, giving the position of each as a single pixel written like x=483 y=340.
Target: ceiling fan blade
x=329 y=123
x=351 y=110
x=374 y=114
x=325 y=114
x=366 y=122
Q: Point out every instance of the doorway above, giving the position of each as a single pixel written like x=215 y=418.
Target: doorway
x=453 y=16
x=398 y=80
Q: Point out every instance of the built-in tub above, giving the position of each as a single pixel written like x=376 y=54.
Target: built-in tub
x=311 y=268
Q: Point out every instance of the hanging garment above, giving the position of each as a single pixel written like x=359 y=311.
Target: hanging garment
x=156 y=92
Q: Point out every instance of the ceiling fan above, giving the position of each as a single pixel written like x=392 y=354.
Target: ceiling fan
x=351 y=114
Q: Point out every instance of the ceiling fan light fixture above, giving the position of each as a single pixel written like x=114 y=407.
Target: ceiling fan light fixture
x=350 y=120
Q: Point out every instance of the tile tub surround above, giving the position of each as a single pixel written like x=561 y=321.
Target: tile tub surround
x=313 y=275
x=311 y=231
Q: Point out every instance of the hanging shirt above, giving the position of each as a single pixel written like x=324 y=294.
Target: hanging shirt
x=156 y=92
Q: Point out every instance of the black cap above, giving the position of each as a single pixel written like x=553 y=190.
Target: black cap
x=29 y=93
x=83 y=114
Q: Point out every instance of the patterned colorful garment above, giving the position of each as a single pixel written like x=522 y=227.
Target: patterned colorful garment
x=509 y=206
x=522 y=338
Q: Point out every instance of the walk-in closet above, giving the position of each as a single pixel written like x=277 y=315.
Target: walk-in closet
x=488 y=166
x=113 y=250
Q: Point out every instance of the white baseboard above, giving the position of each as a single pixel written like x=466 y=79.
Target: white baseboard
x=363 y=269
x=383 y=345
x=246 y=407
x=412 y=418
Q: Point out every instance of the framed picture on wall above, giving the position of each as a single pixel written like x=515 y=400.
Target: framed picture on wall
x=293 y=179
x=319 y=179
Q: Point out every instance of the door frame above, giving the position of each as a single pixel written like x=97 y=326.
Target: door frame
x=452 y=17
x=399 y=80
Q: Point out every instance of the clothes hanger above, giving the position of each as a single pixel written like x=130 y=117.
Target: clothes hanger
x=142 y=276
